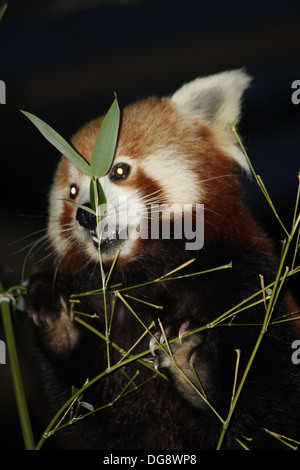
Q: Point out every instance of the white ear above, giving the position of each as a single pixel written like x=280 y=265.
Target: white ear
x=216 y=99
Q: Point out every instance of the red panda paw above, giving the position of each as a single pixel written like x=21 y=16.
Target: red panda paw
x=182 y=360
x=47 y=303
x=47 y=299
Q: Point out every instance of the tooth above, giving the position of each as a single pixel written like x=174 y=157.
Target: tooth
x=182 y=330
x=112 y=236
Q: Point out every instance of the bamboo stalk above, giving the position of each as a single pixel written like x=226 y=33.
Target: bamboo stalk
x=5 y=301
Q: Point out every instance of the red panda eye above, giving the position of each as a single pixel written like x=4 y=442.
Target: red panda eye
x=74 y=190
x=120 y=171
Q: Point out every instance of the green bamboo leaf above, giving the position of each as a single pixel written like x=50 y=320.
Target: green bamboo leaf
x=85 y=208
x=101 y=198
x=101 y=195
x=92 y=196
x=105 y=145
x=86 y=405
x=59 y=143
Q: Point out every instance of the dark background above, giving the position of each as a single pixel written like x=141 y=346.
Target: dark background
x=62 y=60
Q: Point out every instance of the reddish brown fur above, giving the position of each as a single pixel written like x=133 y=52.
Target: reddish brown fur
x=226 y=213
x=192 y=150
x=152 y=124
x=146 y=185
x=85 y=138
x=66 y=215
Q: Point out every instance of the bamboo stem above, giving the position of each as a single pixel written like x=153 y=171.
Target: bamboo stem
x=5 y=301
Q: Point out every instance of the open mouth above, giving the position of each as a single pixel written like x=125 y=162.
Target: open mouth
x=109 y=237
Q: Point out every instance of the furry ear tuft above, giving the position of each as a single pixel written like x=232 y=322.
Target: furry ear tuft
x=216 y=100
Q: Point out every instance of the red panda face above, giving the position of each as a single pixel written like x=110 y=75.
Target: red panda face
x=172 y=153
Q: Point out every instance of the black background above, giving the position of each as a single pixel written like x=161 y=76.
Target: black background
x=62 y=60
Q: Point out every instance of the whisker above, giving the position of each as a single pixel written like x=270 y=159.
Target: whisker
x=29 y=253
x=29 y=235
x=229 y=175
x=31 y=244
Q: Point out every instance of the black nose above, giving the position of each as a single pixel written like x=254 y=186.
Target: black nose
x=86 y=219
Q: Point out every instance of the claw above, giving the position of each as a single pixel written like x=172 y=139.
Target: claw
x=153 y=343
x=182 y=330
x=35 y=319
x=193 y=357
x=156 y=365
x=165 y=335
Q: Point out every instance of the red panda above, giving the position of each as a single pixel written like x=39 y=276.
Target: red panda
x=173 y=152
